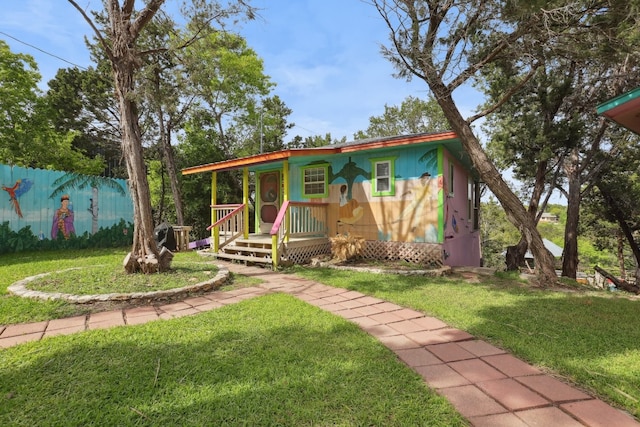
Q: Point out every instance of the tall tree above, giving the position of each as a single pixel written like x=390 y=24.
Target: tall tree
x=119 y=41
x=618 y=195
x=28 y=136
x=447 y=43
x=227 y=77
x=82 y=102
x=550 y=130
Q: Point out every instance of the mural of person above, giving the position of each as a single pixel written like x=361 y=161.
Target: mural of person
x=63 y=219
x=350 y=210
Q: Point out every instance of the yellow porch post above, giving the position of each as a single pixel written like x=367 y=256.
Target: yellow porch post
x=245 y=201
x=285 y=195
x=215 y=231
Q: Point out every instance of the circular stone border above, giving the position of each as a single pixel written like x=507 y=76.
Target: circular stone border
x=19 y=288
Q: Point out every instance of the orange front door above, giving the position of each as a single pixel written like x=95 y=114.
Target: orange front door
x=269 y=200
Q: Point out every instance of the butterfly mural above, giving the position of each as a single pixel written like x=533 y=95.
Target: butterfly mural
x=19 y=188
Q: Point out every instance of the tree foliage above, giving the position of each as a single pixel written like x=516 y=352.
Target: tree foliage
x=28 y=136
x=412 y=116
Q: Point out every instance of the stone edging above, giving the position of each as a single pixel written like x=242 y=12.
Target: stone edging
x=19 y=288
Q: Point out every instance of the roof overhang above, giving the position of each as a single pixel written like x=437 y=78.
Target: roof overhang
x=624 y=110
x=278 y=156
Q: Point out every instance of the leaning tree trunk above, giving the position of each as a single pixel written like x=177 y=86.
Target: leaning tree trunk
x=515 y=211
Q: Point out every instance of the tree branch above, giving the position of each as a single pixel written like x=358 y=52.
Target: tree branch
x=144 y=16
x=506 y=96
x=103 y=42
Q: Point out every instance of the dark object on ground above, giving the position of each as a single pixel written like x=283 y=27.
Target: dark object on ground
x=164 y=236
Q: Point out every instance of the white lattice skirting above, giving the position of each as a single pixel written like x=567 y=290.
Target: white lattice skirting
x=303 y=254
x=427 y=254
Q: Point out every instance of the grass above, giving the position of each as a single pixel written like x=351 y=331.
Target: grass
x=260 y=360
x=273 y=360
x=590 y=338
x=96 y=271
x=104 y=279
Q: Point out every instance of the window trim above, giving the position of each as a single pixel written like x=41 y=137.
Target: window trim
x=374 y=176
x=325 y=191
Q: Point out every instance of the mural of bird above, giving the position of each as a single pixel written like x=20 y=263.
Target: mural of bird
x=19 y=188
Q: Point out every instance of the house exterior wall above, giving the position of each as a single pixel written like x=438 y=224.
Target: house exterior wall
x=461 y=240
x=419 y=208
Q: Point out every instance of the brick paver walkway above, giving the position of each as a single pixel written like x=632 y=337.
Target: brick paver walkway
x=485 y=384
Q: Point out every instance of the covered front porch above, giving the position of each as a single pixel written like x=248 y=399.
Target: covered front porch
x=298 y=233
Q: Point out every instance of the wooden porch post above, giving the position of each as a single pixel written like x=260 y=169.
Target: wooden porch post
x=285 y=195
x=245 y=201
x=215 y=231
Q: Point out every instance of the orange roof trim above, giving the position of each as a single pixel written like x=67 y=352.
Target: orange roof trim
x=329 y=149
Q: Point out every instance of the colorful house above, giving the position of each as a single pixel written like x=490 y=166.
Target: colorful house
x=412 y=198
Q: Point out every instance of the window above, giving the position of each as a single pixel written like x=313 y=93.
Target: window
x=470 y=198
x=476 y=205
x=473 y=210
x=314 y=181
x=383 y=179
x=451 y=170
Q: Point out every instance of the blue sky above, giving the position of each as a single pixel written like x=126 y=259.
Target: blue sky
x=323 y=55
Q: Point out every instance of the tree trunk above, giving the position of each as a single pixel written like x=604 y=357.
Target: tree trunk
x=570 y=254
x=124 y=61
x=623 y=272
x=626 y=230
x=168 y=155
x=514 y=209
x=515 y=254
x=173 y=176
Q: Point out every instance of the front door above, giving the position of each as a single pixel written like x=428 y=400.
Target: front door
x=269 y=200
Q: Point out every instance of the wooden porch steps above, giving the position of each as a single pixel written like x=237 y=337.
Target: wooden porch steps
x=254 y=250
x=246 y=258
x=235 y=249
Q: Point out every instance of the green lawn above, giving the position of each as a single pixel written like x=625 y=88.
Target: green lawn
x=591 y=338
x=269 y=361
x=97 y=271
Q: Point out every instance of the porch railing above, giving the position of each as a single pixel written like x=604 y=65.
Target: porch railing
x=229 y=224
x=297 y=219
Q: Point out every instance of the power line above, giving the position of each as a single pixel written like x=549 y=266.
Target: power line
x=43 y=51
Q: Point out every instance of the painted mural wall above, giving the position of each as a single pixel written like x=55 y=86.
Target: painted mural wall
x=427 y=201
x=56 y=206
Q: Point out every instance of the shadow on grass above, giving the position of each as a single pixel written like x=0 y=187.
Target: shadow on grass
x=273 y=360
x=16 y=259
